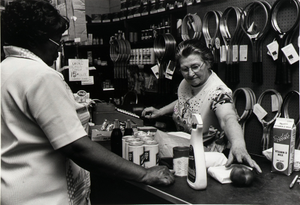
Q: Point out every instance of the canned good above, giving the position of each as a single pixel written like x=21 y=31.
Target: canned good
x=136 y=152
x=180 y=160
x=126 y=144
x=124 y=150
x=151 y=153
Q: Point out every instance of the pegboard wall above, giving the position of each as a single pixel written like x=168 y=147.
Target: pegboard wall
x=253 y=128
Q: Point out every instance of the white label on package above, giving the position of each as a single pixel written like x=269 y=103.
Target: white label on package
x=223 y=53
x=259 y=111
x=235 y=53
x=280 y=156
x=78 y=69
x=274 y=103
x=273 y=49
x=290 y=53
x=243 y=52
x=155 y=70
x=180 y=166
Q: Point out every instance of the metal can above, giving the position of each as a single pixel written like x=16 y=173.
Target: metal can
x=151 y=153
x=124 y=148
x=136 y=152
x=180 y=160
x=127 y=142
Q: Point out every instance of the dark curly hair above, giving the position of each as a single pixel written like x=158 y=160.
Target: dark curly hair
x=194 y=46
x=28 y=23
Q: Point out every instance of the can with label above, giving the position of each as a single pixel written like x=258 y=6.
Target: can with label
x=136 y=152
x=180 y=160
x=127 y=141
x=151 y=153
x=124 y=138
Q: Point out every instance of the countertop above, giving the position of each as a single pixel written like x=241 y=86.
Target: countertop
x=267 y=188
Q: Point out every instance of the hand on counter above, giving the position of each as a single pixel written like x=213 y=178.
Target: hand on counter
x=158 y=175
x=240 y=154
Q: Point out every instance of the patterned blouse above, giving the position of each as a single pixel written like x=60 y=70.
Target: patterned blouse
x=205 y=100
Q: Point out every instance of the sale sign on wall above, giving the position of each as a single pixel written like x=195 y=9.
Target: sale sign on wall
x=78 y=69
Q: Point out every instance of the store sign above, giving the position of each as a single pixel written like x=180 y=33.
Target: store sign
x=78 y=69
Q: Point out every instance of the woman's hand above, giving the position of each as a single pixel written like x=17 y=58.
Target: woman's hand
x=228 y=121
x=239 y=153
x=151 y=112
x=158 y=175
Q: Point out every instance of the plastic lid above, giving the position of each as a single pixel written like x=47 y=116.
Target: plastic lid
x=182 y=151
x=136 y=143
x=151 y=142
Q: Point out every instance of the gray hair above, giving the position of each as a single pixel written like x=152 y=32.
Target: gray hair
x=194 y=46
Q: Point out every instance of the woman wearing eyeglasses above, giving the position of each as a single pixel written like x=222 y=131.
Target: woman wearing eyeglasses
x=42 y=126
x=202 y=91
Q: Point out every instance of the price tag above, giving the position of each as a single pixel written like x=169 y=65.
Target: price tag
x=235 y=53
x=77 y=40
x=290 y=53
x=243 y=52
x=259 y=111
x=155 y=70
x=170 y=70
x=274 y=103
x=273 y=49
x=223 y=53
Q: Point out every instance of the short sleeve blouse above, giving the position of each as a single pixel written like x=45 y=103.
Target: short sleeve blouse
x=204 y=100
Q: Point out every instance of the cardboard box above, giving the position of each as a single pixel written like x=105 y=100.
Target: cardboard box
x=284 y=134
x=99 y=135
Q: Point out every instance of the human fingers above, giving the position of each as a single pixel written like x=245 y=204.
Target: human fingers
x=229 y=160
x=253 y=164
x=160 y=175
x=167 y=177
x=145 y=111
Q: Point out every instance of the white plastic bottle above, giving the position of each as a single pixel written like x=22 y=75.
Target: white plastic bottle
x=197 y=176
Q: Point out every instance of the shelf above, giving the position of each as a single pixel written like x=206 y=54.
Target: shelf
x=177 y=11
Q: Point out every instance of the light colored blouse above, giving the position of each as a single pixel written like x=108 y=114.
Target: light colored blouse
x=205 y=100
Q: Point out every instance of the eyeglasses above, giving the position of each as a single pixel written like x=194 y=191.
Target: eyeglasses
x=194 y=68
x=58 y=44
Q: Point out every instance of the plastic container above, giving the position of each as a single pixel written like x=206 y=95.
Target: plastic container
x=181 y=160
x=197 y=176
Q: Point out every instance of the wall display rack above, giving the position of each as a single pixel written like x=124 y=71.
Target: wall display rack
x=138 y=30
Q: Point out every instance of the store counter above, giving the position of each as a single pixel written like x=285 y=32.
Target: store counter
x=267 y=188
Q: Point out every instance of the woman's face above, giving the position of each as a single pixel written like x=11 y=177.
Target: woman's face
x=55 y=48
x=194 y=70
x=49 y=50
